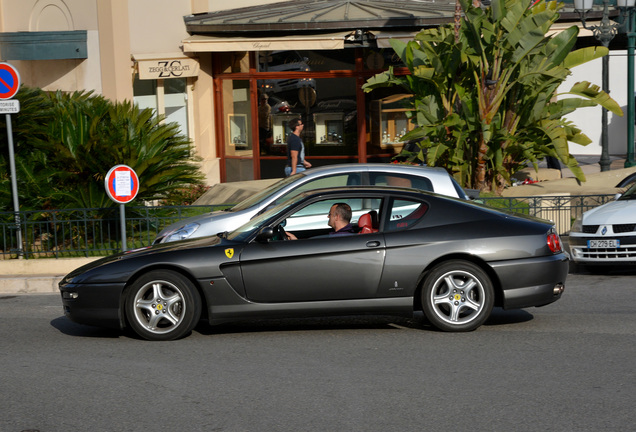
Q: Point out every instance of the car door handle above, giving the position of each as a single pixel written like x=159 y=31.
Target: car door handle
x=374 y=243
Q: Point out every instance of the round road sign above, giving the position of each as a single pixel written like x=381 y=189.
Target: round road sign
x=9 y=81
x=122 y=184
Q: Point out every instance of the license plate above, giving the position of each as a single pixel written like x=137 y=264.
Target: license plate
x=603 y=244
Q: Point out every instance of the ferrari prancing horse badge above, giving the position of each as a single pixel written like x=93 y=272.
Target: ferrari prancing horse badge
x=229 y=253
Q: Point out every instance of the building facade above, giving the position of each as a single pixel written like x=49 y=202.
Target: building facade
x=232 y=79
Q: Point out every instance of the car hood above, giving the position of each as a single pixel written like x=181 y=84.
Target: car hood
x=204 y=218
x=213 y=223
x=615 y=212
x=121 y=265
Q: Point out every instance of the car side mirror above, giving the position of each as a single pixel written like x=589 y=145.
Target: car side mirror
x=617 y=196
x=265 y=234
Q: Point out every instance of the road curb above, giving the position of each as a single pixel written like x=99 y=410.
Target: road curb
x=24 y=276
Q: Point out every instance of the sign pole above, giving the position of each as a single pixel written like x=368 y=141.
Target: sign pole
x=9 y=86
x=14 y=184
x=122 y=221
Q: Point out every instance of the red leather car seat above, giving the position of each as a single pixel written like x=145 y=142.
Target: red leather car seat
x=366 y=224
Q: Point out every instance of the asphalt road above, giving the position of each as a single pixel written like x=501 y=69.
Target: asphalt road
x=564 y=367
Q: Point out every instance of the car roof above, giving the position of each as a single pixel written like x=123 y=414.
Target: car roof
x=384 y=167
x=358 y=189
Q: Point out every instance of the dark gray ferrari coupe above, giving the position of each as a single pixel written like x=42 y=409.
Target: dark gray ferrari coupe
x=401 y=251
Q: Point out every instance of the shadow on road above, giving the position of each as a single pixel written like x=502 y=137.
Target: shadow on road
x=608 y=270
x=344 y=323
x=68 y=327
x=503 y=317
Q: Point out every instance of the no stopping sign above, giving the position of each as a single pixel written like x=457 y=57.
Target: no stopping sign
x=9 y=81
x=122 y=184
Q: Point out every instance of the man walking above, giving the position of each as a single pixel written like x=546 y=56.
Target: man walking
x=295 y=149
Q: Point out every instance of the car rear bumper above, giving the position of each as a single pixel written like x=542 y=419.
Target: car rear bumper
x=97 y=305
x=532 y=282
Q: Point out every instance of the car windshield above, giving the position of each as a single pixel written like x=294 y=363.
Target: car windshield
x=630 y=194
x=267 y=192
x=243 y=232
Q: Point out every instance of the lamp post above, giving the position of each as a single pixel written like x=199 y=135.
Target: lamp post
x=604 y=33
x=631 y=39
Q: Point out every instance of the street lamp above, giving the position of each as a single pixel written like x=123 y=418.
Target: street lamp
x=604 y=33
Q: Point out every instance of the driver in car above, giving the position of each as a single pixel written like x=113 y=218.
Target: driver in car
x=339 y=219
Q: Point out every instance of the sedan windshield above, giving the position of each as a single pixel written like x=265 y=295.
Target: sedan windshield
x=266 y=193
x=630 y=194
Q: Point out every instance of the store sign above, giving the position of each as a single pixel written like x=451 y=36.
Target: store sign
x=168 y=68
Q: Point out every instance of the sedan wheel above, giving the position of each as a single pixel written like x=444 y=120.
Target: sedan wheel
x=163 y=305
x=457 y=296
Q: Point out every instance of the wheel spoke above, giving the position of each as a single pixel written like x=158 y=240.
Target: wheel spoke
x=157 y=291
x=470 y=303
x=154 y=320
x=145 y=305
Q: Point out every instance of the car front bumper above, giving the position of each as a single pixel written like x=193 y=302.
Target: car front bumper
x=581 y=253
x=95 y=304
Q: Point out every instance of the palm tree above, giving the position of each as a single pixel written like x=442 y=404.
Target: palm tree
x=68 y=142
x=487 y=104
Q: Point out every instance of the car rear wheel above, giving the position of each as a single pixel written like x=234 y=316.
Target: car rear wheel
x=163 y=305
x=457 y=296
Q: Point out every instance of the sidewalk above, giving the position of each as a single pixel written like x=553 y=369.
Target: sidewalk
x=597 y=182
x=43 y=275
x=36 y=275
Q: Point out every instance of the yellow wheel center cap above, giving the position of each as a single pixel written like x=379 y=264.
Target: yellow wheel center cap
x=159 y=307
x=458 y=297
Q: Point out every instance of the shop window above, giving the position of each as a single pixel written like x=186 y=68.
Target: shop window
x=327 y=107
x=388 y=123
x=380 y=59
x=237 y=130
x=166 y=97
x=306 y=61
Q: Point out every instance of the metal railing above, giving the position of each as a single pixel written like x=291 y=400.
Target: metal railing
x=87 y=232
x=96 y=232
x=560 y=209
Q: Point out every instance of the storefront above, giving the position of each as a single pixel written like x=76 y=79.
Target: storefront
x=262 y=79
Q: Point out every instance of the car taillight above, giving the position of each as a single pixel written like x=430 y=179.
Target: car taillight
x=554 y=242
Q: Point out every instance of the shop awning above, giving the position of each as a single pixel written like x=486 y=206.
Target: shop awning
x=382 y=37
x=205 y=43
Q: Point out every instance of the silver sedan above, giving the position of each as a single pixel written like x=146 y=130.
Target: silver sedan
x=418 y=177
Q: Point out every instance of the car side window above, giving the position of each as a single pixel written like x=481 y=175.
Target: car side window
x=312 y=220
x=401 y=180
x=339 y=180
x=405 y=213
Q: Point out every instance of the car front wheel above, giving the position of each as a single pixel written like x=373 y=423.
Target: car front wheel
x=457 y=296
x=163 y=305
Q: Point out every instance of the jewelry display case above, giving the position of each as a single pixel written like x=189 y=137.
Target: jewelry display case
x=329 y=128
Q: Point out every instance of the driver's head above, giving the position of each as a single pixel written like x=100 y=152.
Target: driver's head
x=339 y=215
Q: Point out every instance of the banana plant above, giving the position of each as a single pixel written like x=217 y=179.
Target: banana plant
x=487 y=103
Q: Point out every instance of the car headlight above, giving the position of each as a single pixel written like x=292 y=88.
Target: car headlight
x=181 y=233
x=577 y=225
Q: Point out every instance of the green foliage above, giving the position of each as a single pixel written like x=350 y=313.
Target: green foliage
x=485 y=105
x=66 y=143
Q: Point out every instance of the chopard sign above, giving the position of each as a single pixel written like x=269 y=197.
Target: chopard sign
x=166 y=69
